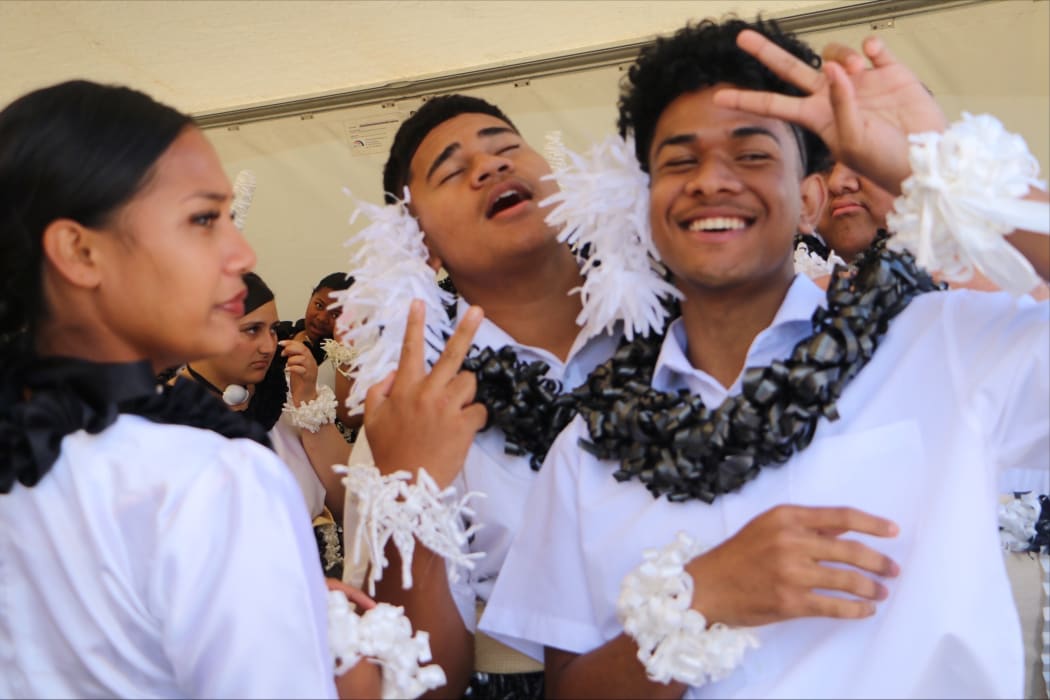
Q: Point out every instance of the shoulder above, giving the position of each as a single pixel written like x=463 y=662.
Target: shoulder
x=971 y=312
x=140 y=451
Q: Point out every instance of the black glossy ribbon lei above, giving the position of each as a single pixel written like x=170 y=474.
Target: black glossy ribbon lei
x=678 y=447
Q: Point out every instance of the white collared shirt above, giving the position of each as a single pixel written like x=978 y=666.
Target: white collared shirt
x=956 y=391
x=504 y=479
x=161 y=561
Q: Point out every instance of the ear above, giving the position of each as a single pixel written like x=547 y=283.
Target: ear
x=72 y=251
x=814 y=191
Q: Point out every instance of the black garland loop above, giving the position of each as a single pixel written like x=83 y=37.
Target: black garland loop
x=44 y=399
x=631 y=420
x=522 y=402
x=1040 y=541
x=678 y=447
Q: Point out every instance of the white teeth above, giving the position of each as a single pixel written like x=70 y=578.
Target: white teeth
x=717 y=223
x=508 y=193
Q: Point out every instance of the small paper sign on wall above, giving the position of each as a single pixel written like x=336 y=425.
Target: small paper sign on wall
x=373 y=133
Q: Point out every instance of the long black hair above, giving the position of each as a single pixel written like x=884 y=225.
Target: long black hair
x=76 y=150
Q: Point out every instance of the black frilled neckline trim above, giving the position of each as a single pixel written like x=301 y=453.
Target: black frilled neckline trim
x=44 y=399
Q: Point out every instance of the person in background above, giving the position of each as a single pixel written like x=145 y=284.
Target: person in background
x=313 y=330
x=259 y=378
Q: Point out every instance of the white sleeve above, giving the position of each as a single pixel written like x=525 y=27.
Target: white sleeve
x=354 y=572
x=542 y=595
x=237 y=583
x=462 y=590
x=1000 y=354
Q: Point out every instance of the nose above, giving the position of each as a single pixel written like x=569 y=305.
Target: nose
x=486 y=165
x=712 y=175
x=842 y=180
x=238 y=254
x=268 y=344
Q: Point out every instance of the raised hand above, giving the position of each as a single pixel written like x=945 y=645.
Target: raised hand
x=771 y=570
x=414 y=419
x=302 y=371
x=863 y=113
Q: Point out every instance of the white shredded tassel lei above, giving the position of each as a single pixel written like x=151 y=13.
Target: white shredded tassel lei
x=243 y=193
x=392 y=508
x=603 y=205
x=390 y=270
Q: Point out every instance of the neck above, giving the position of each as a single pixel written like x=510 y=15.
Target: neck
x=80 y=338
x=721 y=324
x=532 y=303
x=203 y=373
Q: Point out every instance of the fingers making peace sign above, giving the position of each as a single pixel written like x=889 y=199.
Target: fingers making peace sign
x=864 y=113
x=418 y=419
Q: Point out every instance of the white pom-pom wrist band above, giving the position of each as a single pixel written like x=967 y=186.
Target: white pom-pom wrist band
x=674 y=641
x=382 y=635
x=965 y=193
x=393 y=508
x=311 y=415
x=343 y=357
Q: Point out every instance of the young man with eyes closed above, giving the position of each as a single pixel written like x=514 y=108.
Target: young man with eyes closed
x=474 y=185
x=835 y=554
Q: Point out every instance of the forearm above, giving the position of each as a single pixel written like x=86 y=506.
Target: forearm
x=342 y=412
x=610 y=671
x=325 y=448
x=430 y=607
x=1034 y=246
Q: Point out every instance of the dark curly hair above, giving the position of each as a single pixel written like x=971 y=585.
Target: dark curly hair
x=413 y=130
x=697 y=57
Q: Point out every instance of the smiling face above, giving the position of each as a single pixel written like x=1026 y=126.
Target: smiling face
x=726 y=195
x=171 y=261
x=475 y=186
x=856 y=209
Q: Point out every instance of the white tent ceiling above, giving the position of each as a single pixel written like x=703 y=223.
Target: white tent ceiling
x=216 y=55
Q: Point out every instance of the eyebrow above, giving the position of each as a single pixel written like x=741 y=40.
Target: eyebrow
x=487 y=132
x=738 y=133
x=214 y=196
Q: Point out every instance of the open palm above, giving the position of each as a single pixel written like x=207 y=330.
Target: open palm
x=864 y=113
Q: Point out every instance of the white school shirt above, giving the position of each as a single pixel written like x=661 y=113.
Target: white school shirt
x=289 y=447
x=504 y=479
x=956 y=390
x=161 y=561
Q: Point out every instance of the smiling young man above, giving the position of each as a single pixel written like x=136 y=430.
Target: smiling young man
x=811 y=474
x=475 y=184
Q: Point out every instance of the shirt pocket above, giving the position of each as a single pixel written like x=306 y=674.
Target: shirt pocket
x=881 y=470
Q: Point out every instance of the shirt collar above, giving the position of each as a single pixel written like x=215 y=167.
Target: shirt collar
x=489 y=335
x=792 y=322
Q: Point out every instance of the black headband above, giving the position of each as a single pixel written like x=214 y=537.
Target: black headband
x=258 y=292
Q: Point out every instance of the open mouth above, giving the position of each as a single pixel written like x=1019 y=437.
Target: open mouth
x=507 y=199
x=717 y=224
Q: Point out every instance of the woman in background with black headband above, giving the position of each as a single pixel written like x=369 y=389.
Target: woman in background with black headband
x=251 y=379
